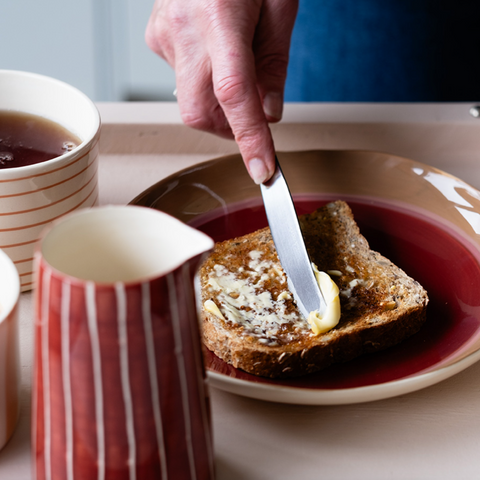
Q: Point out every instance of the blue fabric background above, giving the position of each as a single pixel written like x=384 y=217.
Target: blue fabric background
x=385 y=50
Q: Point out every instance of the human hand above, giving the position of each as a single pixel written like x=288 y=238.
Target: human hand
x=230 y=59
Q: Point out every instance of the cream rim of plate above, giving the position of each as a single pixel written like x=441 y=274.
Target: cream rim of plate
x=345 y=396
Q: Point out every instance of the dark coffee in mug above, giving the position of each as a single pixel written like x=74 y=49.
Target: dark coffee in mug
x=26 y=139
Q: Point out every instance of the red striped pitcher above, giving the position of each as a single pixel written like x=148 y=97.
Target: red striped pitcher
x=119 y=380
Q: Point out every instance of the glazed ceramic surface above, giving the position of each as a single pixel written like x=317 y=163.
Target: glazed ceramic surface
x=33 y=196
x=9 y=349
x=119 y=379
x=425 y=220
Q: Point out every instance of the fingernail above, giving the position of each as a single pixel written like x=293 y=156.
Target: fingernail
x=258 y=170
x=273 y=105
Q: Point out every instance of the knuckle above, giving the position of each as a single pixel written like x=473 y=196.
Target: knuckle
x=247 y=136
x=214 y=123
x=165 y=27
x=196 y=120
x=231 y=90
x=156 y=41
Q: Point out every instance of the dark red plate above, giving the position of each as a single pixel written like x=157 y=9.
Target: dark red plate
x=442 y=261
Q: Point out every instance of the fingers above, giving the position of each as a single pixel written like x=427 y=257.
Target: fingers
x=198 y=105
x=238 y=97
x=271 y=48
x=176 y=33
x=230 y=60
x=235 y=86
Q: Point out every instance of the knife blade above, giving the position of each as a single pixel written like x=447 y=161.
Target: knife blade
x=288 y=239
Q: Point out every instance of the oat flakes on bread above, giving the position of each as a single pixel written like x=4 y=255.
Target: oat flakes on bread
x=380 y=304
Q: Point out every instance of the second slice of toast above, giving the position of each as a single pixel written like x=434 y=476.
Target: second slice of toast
x=250 y=319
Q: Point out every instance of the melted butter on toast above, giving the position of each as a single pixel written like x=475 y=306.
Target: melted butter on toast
x=331 y=317
x=245 y=298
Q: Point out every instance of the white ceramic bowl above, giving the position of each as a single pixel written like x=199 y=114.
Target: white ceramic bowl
x=34 y=195
x=9 y=348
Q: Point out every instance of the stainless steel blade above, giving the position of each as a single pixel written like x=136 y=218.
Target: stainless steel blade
x=290 y=245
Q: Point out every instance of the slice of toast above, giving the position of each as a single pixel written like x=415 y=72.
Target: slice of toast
x=250 y=319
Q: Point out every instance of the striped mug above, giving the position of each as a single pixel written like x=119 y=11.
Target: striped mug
x=119 y=381
x=32 y=196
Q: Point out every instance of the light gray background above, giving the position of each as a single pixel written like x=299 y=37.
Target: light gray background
x=97 y=46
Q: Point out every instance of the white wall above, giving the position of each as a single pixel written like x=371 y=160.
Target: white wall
x=96 y=45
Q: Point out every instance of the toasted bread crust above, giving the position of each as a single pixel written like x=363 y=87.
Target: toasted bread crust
x=381 y=305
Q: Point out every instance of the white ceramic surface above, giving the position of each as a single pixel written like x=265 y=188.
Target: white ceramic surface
x=120 y=243
x=370 y=393
x=9 y=349
x=34 y=195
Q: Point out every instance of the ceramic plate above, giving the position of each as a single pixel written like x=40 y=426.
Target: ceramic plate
x=423 y=219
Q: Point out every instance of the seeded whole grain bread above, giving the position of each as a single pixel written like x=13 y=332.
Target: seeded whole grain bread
x=258 y=327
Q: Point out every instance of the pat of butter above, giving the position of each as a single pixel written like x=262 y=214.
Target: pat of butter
x=211 y=307
x=321 y=324
x=284 y=296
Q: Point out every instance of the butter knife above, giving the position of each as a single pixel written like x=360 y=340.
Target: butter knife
x=290 y=245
